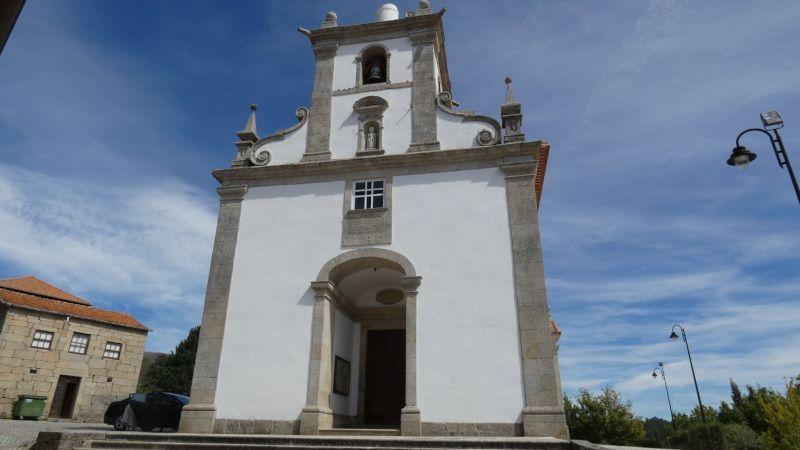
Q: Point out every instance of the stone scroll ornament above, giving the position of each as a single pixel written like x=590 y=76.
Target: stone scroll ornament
x=259 y=155
x=485 y=137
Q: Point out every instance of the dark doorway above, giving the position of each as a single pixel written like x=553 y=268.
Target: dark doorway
x=385 y=377
x=64 y=397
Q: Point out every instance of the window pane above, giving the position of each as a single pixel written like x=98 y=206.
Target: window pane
x=360 y=185
x=377 y=202
x=360 y=203
x=378 y=184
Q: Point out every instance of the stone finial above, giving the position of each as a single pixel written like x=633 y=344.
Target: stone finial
x=424 y=7
x=511 y=113
x=331 y=20
x=509 y=92
x=249 y=133
x=247 y=138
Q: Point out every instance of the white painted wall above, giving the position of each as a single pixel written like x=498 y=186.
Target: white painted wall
x=396 y=122
x=286 y=234
x=453 y=133
x=452 y=226
x=344 y=63
x=346 y=344
x=289 y=150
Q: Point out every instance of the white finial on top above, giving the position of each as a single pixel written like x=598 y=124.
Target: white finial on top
x=387 y=12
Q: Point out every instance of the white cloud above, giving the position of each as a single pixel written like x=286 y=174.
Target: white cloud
x=142 y=249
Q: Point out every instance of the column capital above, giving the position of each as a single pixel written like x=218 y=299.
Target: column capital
x=519 y=168
x=325 y=287
x=231 y=193
x=325 y=50
x=411 y=283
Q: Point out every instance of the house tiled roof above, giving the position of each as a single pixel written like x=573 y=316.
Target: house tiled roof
x=541 y=168
x=32 y=285
x=34 y=300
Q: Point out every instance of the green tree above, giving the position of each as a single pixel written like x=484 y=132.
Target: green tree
x=603 y=418
x=783 y=418
x=173 y=372
x=747 y=409
x=656 y=432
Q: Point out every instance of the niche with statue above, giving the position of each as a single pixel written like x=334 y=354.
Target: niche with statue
x=370 y=125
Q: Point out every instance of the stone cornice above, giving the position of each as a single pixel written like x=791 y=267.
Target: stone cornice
x=443 y=159
x=231 y=193
x=374 y=28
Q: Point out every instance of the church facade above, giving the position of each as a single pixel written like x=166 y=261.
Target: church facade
x=378 y=264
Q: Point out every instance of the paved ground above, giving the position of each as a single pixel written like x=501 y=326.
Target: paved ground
x=21 y=434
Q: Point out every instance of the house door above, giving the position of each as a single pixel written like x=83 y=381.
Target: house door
x=64 y=396
x=384 y=395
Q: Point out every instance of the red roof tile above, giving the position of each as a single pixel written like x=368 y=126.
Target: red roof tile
x=35 y=286
x=16 y=298
x=541 y=168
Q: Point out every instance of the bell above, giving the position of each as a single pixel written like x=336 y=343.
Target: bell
x=375 y=74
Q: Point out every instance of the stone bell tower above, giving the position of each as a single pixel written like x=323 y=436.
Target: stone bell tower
x=378 y=264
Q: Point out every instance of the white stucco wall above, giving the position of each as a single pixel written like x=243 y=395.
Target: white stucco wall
x=289 y=150
x=346 y=344
x=286 y=234
x=453 y=133
x=452 y=226
x=344 y=63
x=396 y=122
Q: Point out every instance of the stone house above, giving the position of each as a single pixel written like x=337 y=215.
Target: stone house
x=57 y=345
x=378 y=263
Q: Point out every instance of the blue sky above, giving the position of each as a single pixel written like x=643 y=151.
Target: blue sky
x=112 y=115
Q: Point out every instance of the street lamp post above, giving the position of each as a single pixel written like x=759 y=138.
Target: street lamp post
x=741 y=157
x=674 y=336
x=669 y=402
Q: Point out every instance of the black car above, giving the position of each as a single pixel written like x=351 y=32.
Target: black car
x=147 y=411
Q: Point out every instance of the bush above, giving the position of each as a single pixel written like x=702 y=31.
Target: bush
x=717 y=437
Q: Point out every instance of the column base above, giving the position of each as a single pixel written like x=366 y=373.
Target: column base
x=316 y=157
x=544 y=422
x=423 y=147
x=313 y=419
x=197 y=418
x=410 y=424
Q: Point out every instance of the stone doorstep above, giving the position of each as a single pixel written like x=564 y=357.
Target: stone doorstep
x=136 y=440
x=360 y=432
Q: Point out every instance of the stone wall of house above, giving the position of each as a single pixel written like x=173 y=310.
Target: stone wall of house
x=18 y=361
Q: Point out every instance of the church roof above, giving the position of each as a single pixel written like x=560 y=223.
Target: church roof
x=34 y=294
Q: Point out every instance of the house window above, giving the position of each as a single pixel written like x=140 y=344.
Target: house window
x=42 y=339
x=368 y=194
x=112 y=350
x=79 y=343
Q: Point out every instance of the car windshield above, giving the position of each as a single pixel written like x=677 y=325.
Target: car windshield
x=181 y=398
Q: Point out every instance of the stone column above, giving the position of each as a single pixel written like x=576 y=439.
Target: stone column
x=410 y=415
x=423 y=92
x=317 y=414
x=543 y=413
x=319 y=120
x=198 y=416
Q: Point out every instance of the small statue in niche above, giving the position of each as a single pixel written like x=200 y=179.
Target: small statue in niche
x=372 y=139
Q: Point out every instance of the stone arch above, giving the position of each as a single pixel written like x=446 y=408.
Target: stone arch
x=372 y=53
x=348 y=262
x=317 y=415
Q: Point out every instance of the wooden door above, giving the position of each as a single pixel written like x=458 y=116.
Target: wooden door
x=64 y=397
x=384 y=395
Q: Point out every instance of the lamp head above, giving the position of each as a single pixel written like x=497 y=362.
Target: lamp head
x=655 y=375
x=741 y=157
x=673 y=335
x=771 y=119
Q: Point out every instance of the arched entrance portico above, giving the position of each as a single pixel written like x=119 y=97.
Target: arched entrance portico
x=359 y=283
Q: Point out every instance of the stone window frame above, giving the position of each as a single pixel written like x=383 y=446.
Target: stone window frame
x=360 y=216
x=359 y=61
x=49 y=342
x=75 y=345
x=108 y=352
x=369 y=194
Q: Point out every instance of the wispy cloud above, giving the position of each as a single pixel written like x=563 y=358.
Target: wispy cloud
x=136 y=248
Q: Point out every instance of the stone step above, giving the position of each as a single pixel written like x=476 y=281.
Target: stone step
x=360 y=432
x=128 y=440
